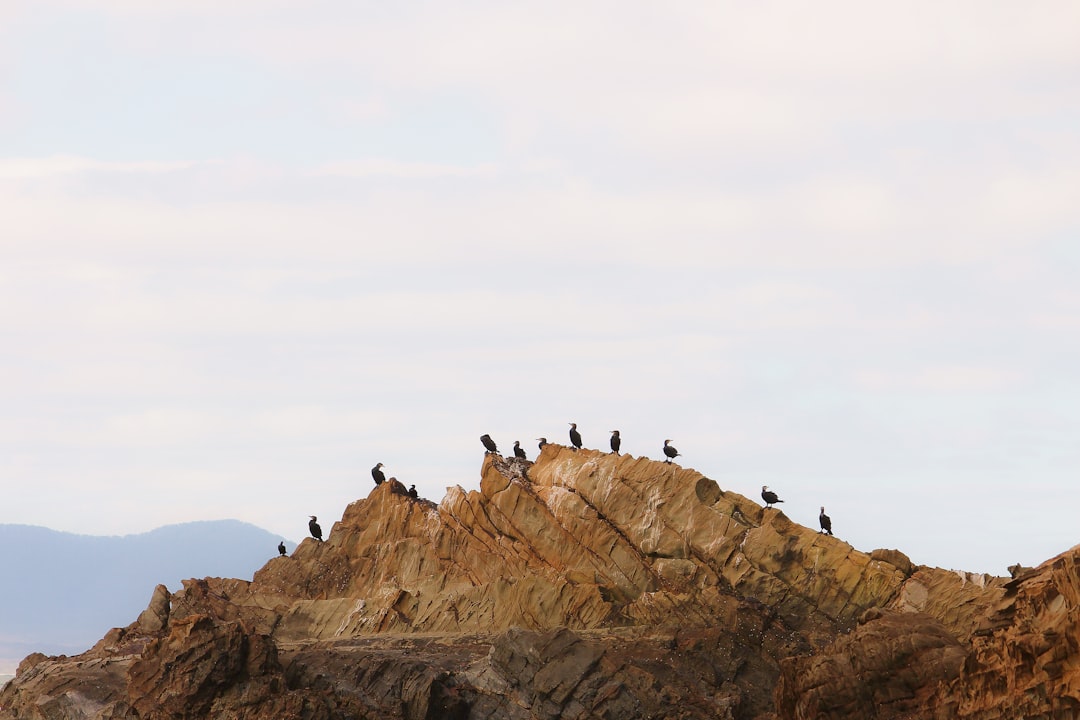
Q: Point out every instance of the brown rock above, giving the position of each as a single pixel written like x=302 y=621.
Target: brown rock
x=888 y=667
x=155 y=617
x=29 y=663
x=201 y=661
x=1024 y=659
x=897 y=559
x=582 y=585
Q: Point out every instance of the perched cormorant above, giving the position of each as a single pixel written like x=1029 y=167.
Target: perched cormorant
x=316 y=531
x=825 y=521
x=670 y=451
x=377 y=474
x=489 y=444
x=575 y=436
x=519 y=452
x=281 y=548
x=543 y=442
x=615 y=441
x=412 y=492
x=769 y=496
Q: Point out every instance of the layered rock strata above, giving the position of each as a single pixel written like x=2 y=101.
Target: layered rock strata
x=582 y=585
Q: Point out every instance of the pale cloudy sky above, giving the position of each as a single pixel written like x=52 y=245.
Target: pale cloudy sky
x=248 y=249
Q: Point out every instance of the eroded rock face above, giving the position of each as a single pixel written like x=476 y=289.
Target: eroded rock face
x=198 y=664
x=581 y=585
x=155 y=617
x=888 y=668
x=1025 y=657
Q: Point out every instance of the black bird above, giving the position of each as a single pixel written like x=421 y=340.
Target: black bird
x=575 y=436
x=519 y=452
x=616 y=441
x=670 y=451
x=489 y=444
x=281 y=548
x=769 y=496
x=825 y=521
x=377 y=474
x=412 y=492
x=316 y=531
x=543 y=442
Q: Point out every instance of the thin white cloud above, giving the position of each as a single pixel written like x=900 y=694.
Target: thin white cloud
x=826 y=221
x=381 y=167
x=943 y=379
x=67 y=165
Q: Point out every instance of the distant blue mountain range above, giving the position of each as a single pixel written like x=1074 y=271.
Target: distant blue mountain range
x=61 y=592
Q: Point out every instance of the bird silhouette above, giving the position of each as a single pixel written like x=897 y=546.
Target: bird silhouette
x=575 y=436
x=769 y=496
x=670 y=451
x=825 y=521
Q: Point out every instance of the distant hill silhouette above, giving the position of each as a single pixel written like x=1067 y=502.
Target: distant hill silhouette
x=61 y=592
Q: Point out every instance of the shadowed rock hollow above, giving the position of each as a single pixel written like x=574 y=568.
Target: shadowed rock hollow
x=583 y=585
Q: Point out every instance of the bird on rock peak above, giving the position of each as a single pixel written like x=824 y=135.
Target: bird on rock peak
x=769 y=496
x=575 y=436
x=825 y=521
x=670 y=451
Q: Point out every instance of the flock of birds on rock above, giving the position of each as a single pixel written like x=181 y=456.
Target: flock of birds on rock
x=575 y=442
x=670 y=453
x=380 y=477
x=771 y=499
x=313 y=523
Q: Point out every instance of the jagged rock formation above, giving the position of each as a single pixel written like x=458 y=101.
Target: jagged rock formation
x=583 y=585
x=888 y=668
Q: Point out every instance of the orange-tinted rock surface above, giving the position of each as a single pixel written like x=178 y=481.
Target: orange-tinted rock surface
x=584 y=585
x=888 y=667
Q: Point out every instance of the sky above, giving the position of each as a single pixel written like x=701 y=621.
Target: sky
x=249 y=249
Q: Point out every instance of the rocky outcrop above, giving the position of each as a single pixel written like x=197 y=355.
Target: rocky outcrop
x=1024 y=659
x=155 y=617
x=889 y=667
x=200 y=664
x=582 y=585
